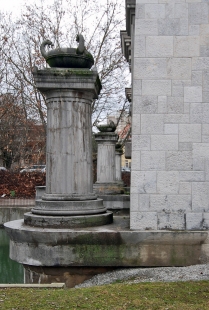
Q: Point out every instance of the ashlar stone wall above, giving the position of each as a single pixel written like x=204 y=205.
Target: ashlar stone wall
x=170 y=118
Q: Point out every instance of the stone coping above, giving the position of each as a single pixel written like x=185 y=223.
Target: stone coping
x=16 y=202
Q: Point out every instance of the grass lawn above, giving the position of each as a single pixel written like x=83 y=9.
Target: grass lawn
x=118 y=296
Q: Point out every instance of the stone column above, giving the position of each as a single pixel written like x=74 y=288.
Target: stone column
x=118 y=153
x=106 y=172
x=69 y=175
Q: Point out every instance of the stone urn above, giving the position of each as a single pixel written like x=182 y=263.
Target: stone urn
x=66 y=57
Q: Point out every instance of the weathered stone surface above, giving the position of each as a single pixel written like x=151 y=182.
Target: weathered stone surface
x=145 y=181
x=170 y=108
x=172 y=220
x=151 y=124
x=164 y=142
x=194 y=221
x=179 y=160
x=148 y=68
x=108 y=246
x=189 y=133
x=156 y=87
x=159 y=46
x=186 y=46
x=167 y=182
x=193 y=94
x=198 y=13
x=154 y=160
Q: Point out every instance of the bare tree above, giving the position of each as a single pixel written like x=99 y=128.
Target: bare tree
x=100 y=23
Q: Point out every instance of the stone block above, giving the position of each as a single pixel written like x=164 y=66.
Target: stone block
x=207 y=169
x=194 y=221
x=156 y=87
x=137 y=87
x=139 y=202
x=181 y=82
x=167 y=182
x=175 y=105
x=205 y=129
x=136 y=160
x=171 y=129
x=173 y=221
x=145 y=181
x=185 y=146
x=162 y=104
x=185 y=188
x=145 y=104
x=181 y=10
x=152 y=124
x=199 y=113
x=148 y=68
x=136 y=123
x=197 y=78
x=164 y=142
x=152 y=160
x=204 y=50
x=205 y=224
x=134 y=202
x=179 y=68
x=140 y=11
x=205 y=76
x=200 y=196
x=194 y=30
x=186 y=46
x=145 y=1
x=144 y=202
x=205 y=96
x=172 y=26
x=186 y=107
x=190 y=132
x=204 y=34
x=200 y=63
x=200 y=150
x=196 y=113
x=169 y=10
x=154 y=11
x=191 y=176
x=140 y=142
x=198 y=13
x=177 y=91
x=146 y=27
x=176 y=118
x=179 y=160
x=170 y=203
x=143 y=220
x=139 y=46
x=159 y=46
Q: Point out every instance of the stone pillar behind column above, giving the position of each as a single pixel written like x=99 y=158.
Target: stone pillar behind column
x=106 y=173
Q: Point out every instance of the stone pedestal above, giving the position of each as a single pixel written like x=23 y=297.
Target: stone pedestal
x=106 y=171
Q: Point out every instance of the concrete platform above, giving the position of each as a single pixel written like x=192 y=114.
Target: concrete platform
x=109 y=245
x=74 y=255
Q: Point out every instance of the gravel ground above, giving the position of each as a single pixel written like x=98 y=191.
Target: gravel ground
x=160 y=274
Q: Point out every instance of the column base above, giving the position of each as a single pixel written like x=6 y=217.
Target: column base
x=109 y=188
x=63 y=222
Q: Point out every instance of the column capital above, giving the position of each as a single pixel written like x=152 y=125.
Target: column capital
x=102 y=137
x=65 y=78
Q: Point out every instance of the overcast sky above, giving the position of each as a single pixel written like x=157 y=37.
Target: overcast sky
x=14 y=6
